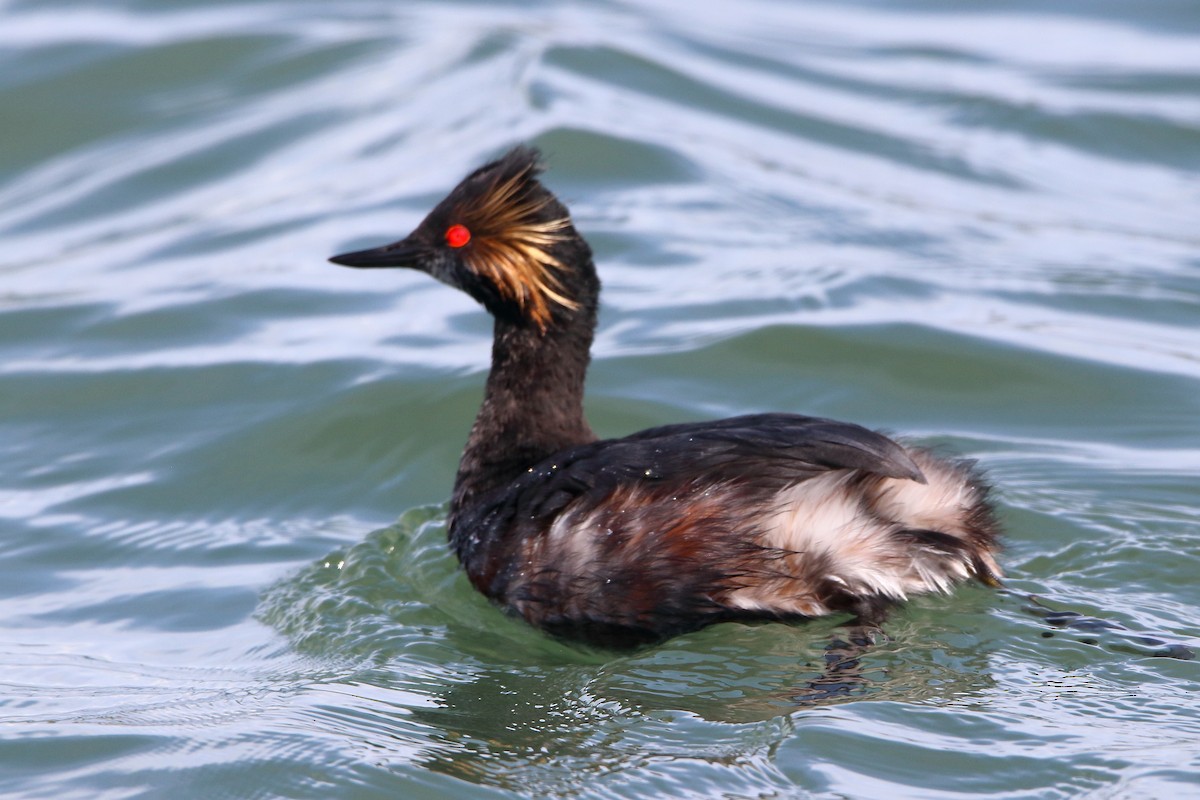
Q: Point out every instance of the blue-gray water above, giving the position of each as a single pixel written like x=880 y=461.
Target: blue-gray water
x=977 y=224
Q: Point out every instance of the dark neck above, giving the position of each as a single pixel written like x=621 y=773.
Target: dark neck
x=532 y=407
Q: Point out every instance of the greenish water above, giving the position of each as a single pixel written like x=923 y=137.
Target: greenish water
x=222 y=559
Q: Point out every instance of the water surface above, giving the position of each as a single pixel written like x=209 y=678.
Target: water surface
x=223 y=570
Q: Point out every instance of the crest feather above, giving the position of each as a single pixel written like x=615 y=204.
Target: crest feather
x=512 y=239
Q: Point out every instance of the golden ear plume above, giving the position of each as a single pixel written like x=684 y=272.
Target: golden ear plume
x=511 y=245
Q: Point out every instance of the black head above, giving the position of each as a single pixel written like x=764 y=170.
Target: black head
x=502 y=238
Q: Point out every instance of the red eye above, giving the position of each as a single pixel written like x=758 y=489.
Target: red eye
x=457 y=235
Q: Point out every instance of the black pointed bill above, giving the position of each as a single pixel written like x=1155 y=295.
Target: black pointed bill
x=396 y=254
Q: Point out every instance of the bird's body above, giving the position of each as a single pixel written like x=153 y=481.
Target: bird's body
x=619 y=541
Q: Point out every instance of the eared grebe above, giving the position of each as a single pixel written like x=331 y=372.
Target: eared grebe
x=621 y=541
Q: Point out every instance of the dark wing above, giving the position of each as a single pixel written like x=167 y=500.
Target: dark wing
x=772 y=450
x=819 y=444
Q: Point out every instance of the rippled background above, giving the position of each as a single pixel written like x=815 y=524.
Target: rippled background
x=978 y=224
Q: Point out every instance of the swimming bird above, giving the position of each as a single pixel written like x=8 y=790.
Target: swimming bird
x=629 y=540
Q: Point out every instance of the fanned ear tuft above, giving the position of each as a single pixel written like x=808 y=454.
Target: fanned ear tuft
x=515 y=224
